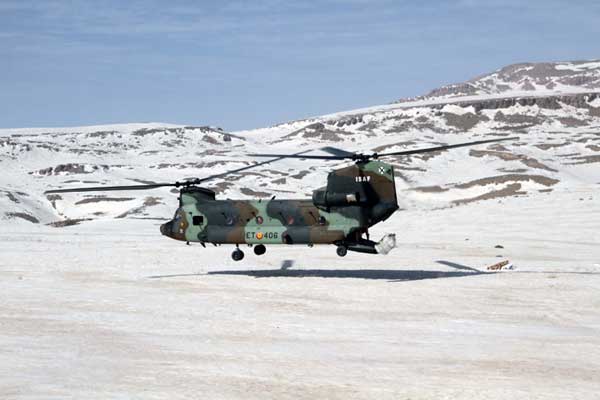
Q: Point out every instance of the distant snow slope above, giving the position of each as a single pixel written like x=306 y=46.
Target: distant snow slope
x=558 y=150
x=527 y=78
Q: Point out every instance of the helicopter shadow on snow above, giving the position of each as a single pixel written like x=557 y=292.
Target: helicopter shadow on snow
x=390 y=275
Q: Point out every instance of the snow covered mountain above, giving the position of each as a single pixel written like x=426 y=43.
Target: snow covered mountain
x=553 y=108
x=526 y=79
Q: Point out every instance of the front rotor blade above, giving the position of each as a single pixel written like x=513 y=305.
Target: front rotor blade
x=190 y=182
x=110 y=188
x=439 y=148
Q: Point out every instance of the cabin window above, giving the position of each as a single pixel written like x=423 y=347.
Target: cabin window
x=322 y=220
x=197 y=220
x=259 y=220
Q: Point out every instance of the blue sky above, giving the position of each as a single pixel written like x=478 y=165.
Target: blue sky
x=246 y=64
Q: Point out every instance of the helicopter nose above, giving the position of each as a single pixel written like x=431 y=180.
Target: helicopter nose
x=165 y=228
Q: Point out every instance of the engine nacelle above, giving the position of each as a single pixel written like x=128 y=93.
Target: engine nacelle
x=324 y=199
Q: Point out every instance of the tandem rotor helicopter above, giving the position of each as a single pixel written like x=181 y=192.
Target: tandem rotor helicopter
x=356 y=198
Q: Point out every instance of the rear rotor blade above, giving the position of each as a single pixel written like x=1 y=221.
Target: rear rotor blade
x=310 y=157
x=439 y=148
x=338 y=152
x=233 y=171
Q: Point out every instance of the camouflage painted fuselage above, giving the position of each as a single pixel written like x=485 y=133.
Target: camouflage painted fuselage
x=355 y=198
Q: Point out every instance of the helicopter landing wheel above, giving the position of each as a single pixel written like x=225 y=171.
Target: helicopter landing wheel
x=237 y=255
x=341 y=250
x=260 y=249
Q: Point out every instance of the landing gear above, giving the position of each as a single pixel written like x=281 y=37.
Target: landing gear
x=260 y=249
x=341 y=250
x=237 y=255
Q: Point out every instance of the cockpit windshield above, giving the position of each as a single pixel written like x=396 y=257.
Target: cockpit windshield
x=177 y=216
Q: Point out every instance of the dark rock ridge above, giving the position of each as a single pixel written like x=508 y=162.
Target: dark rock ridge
x=548 y=102
x=70 y=168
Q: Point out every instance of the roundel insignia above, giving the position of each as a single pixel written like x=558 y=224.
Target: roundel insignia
x=259 y=235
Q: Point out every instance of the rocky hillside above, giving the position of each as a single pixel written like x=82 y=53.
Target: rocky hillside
x=558 y=124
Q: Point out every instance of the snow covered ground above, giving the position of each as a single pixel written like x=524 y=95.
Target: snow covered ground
x=110 y=309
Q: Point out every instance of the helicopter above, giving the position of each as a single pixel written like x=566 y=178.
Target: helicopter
x=355 y=198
